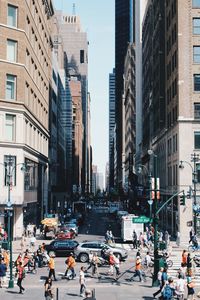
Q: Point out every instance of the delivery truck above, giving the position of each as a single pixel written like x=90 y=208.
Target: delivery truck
x=128 y=226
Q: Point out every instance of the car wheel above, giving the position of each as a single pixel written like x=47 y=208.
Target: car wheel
x=83 y=257
x=52 y=253
x=118 y=255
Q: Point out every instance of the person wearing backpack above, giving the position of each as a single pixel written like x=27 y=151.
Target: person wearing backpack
x=168 y=290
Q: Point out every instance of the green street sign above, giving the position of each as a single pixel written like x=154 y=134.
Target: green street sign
x=142 y=219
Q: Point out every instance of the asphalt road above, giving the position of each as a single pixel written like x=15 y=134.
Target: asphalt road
x=105 y=288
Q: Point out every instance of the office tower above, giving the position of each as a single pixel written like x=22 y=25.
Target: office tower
x=75 y=45
x=124 y=34
x=111 y=126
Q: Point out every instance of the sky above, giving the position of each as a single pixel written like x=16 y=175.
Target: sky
x=97 y=19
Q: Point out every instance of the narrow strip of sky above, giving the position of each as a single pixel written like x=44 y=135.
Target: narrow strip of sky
x=97 y=19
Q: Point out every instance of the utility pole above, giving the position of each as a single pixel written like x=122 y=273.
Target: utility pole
x=194 y=159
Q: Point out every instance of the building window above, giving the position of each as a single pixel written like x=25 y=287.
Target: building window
x=12 y=161
x=81 y=56
x=196 y=25
x=197 y=140
x=196 y=54
x=196 y=3
x=10 y=87
x=10 y=128
x=11 y=50
x=12 y=16
x=197 y=82
x=31 y=176
x=198 y=172
x=197 y=111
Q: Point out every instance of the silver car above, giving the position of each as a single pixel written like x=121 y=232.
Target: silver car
x=83 y=249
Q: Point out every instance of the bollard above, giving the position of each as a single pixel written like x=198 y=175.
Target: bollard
x=57 y=294
x=93 y=293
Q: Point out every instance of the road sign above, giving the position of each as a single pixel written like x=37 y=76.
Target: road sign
x=141 y=219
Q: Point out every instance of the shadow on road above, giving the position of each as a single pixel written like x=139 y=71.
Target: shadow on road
x=148 y=298
x=12 y=292
x=73 y=295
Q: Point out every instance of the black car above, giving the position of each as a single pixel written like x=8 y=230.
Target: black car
x=61 y=247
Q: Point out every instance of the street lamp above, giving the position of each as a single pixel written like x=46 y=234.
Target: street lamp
x=155 y=220
x=194 y=159
x=9 y=169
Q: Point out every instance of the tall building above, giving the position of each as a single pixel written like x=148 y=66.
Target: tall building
x=129 y=116
x=124 y=34
x=111 y=126
x=174 y=114
x=77 y=131
x=25 y=75
x=94 y=179
x=75 y=45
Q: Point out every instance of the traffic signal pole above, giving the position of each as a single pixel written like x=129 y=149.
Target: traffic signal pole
x=156 y=213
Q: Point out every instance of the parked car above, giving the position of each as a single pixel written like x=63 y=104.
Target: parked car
x=72 y=226
x=61 y=247
x=83 y=249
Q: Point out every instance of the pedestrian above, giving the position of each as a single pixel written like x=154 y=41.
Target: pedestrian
x=191 y=235
x=32 y=242
x=89 y=296
x=70 y=261
x=138 y=269
x=95 y=261
x=6 y=256
x=20 y=277
x=184 y=259
x=178 y=239
x=111 y=263
x=90 y=261
x=180 y=287
x=22 y=243
x=190 y=287
x=107 y=236
x=160 y=282
x=51 y=265
x=189 y=265
x=111 y=237
x=116 y=265
x=167 y=239
x=2 y=272
x=34 y=230
x=168 y=290
x=48 y=289
x=134 y=240
x=82 y=281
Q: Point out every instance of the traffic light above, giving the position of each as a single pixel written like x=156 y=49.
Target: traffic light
x=182 y=199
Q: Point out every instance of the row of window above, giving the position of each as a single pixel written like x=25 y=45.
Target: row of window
x=171 y=13
x=37 y=46
x=172 y=145
x=172 y=38
x=36 y=75
x=35 y=105
x=172 y=175
x=172 y=117
x=172 y=65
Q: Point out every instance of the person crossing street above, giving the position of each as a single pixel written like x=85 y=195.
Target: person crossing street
x=51 y=265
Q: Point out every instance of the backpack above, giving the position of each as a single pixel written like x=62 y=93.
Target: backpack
x=167 y=292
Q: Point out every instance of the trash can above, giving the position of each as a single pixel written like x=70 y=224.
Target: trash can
x=162 y=245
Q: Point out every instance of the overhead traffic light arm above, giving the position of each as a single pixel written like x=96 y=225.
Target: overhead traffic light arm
x=168 y=200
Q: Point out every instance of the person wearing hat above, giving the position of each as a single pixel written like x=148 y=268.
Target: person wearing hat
x=138 y=269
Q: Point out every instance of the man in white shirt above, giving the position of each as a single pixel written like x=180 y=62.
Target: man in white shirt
x=82 y=281
x=180 y=287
